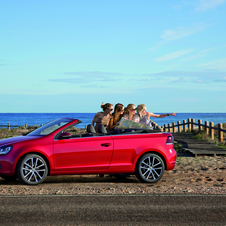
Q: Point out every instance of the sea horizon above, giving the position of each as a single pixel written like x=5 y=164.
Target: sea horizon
x=31 y=119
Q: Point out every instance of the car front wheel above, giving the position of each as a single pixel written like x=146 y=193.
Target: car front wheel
x=32 y=169
x=150 y=168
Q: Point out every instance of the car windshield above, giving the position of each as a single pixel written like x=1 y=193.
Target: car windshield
x=50 y=127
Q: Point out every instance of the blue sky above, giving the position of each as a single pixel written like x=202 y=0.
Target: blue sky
x=72 y=55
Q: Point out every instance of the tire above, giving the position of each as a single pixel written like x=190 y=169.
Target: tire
x=32 y=169
x=150 y=168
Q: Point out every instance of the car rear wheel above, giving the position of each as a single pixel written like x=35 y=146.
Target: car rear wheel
x=32 y=169
x=150 y=168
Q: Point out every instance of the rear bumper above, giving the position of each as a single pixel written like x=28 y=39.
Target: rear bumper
x=172 y=160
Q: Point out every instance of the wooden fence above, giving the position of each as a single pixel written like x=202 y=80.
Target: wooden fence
x=190 y=125
x=9 y=126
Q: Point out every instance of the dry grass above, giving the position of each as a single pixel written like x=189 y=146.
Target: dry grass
x=203 y=136
x=5 y=133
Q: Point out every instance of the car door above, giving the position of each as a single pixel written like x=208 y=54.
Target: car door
x=83 y=153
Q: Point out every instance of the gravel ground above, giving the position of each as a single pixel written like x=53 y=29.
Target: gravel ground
x=199 y=175
x=192 y=175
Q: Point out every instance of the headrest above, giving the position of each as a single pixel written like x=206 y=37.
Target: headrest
x=102 y=129
x=90 y=129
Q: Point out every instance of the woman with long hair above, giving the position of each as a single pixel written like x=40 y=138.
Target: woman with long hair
x=103 y=117
x=130 y=113
x=116 y=116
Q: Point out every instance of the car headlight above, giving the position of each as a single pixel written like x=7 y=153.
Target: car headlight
x=5 y=150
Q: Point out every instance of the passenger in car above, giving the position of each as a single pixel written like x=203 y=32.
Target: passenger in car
x=130 y=113
x=116 y=116
x=144 y=116
x=103 y=117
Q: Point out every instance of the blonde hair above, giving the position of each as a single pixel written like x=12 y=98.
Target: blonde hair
x=140 y=108
x=105 y=106
x=126 y=110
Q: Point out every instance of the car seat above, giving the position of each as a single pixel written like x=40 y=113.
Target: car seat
x=90 y=131
x=101 y=129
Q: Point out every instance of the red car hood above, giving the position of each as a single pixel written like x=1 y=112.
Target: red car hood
x=13 y=140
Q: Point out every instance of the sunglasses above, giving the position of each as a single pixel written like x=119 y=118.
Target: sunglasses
x=110 y=109
x=133 y=109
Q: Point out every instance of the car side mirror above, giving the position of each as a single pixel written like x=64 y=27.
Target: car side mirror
x=65 y=135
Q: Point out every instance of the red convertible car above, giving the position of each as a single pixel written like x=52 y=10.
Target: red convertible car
x=58 y=148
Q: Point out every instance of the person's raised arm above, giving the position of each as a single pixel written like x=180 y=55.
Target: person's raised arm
x=149 y=114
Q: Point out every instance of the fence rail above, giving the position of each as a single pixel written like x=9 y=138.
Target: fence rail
x=9 y=126
x=190 y=125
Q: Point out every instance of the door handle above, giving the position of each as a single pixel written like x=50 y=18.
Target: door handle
x=106 y=144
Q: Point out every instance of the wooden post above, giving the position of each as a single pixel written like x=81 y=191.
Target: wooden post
x=184 y=125
x=200 y=124
x=174 y=127
x=212 y=130
x=220 y=132
x=179 y=126
x=161 y=128
x=165 y=128
x=189 y=124
x=206 y=127
x=8 y=126
x=193 y=124
x=169 y=127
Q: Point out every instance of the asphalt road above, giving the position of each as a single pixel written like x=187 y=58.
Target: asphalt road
x=113 y=210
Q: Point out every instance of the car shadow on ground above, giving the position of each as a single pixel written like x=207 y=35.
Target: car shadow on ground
x=78 y=179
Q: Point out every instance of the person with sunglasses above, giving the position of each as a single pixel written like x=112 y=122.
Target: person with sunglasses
x=103 y=117
x=130 y=113
x=116 y=116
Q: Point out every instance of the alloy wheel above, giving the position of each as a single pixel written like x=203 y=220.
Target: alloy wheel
x=150 y=168
x=32 y=169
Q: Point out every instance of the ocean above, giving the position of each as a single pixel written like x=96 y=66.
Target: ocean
x=31 y=119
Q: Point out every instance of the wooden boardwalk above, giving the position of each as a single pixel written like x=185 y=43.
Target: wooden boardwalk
x=197 y=147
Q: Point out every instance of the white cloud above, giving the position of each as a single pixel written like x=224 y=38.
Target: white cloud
x=174 y=55
x=203 y=53
x=204 y=5
x=182 y=32
x=170 y=35
x=219 y=65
